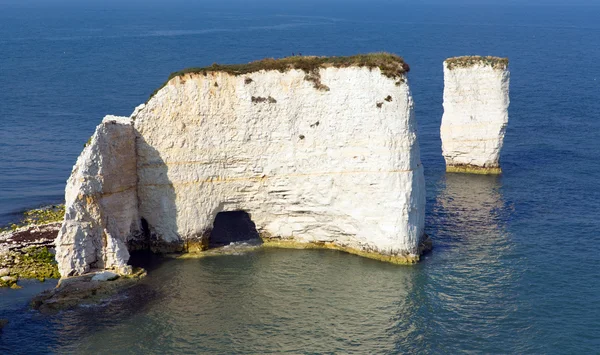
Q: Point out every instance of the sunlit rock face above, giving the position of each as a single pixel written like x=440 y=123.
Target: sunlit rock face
x=101 y=202
x=476 y=99
x=328 y=163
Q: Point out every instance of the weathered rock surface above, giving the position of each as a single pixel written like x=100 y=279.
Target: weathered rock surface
x=105 y=276
x=101 y=202
x=329 y=157
x=476 y=99
x=29 y=236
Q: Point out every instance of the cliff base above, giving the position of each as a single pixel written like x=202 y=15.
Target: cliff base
x=473 y=169
x=401 y=259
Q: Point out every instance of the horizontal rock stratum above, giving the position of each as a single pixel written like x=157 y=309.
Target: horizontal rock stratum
x=475 y=113
x=321 y=152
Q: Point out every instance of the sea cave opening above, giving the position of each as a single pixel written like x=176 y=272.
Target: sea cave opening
x=232 y=227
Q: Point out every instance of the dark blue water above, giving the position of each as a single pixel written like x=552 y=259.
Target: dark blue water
x=516 y=266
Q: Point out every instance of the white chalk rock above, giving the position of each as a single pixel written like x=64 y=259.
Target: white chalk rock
x=101 y=202
x=329 y=158
x=476 y=99
x=105 y=276
x=336 y=166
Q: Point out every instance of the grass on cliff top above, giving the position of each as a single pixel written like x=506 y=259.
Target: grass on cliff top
x=469 y=61
x=391 y=65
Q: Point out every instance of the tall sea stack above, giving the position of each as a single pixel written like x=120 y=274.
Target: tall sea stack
x=475 y=113
x=320 y=152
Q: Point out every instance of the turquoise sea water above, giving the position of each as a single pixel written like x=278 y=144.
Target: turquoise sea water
x=516 y=264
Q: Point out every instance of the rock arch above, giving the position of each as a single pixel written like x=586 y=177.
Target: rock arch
x=336 y=167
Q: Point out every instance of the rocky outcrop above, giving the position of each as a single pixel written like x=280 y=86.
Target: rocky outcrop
x=89 y=289
x=319 y=151
x=29 y=236
x=475 y=113
x=27 y=248
x=101 y=202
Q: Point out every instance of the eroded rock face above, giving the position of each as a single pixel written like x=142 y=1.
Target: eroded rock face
x=101 y=202
x=327 y=159
x=337 y=166
x=476 y=99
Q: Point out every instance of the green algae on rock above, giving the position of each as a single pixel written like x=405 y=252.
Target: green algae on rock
x=29 y=263
x=38 y=216
x=36 y=263
x=26 y=248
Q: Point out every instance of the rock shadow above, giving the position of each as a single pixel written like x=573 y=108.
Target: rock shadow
x=157 y=206
x=232 y=227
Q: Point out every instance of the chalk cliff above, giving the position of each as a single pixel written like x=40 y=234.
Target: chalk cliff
x=475 y=113
x=321 y=152
x=100 y=202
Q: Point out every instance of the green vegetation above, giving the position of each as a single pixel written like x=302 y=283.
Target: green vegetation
x=36 y=263
x=88 y=142
x=469 y=61
x=39 y=216
x=29 y=263
x=391 y=65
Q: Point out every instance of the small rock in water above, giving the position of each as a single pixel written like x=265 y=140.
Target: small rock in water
x=8 y=279
x=3 y=323
x=105 y=276
x=4 y=272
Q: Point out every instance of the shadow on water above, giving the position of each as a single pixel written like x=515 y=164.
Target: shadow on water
x=270 y=300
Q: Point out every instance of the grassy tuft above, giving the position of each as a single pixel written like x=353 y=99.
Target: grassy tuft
x=391 y=65
x=469 y=61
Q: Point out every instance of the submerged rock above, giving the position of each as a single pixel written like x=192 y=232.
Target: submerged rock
x=319 y=151
x=74 y=291
x=475 y=113
x=3 y=323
